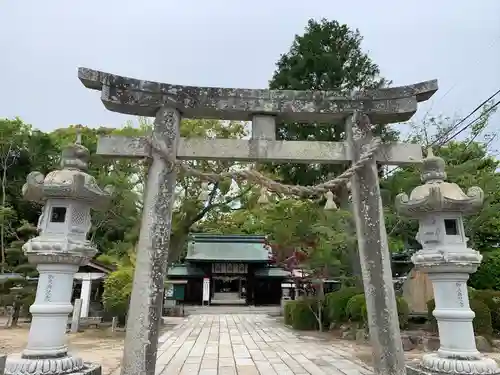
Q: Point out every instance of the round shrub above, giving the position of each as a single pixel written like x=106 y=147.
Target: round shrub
x=357 y=312
x=117 y=291
x=302 y=315
x=356 y=308
x=487 y=275
x=471 y=292
x=336 y=302
x=431 y=305
x=481 y=322
x=492 y=299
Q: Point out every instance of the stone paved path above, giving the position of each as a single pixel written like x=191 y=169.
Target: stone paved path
x=249 y=345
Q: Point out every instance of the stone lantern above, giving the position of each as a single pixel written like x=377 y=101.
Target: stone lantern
x=67 y=195
x=440 y=207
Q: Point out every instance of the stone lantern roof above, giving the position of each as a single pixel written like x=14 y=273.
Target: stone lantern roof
x=69 y=182
x=437 y=195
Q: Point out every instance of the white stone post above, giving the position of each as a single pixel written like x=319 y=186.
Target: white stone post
x=50 y=310
x=75 y=319
x=439 y=207
x=453 y=315
x=85 y=295
x=58 y=251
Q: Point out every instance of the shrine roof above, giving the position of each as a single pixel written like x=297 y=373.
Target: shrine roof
x=94 y=265
x=227 y=248
x=273 y=272
x=184 y=270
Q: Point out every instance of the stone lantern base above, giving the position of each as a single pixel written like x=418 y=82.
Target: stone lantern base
x=433 y=364
x=17 y=365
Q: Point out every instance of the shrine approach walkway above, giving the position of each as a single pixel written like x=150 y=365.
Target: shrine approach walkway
x=250 y=345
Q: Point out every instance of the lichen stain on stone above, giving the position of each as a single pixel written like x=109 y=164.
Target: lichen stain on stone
x=142 y=325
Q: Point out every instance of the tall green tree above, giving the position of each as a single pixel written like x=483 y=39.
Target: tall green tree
x=328 y=56
x=18 y=287
x=22 y=150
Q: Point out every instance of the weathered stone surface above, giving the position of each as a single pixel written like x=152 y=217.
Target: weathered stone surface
x=374 y=255
x=144 y=314
x=257 y=150
x=144 y=98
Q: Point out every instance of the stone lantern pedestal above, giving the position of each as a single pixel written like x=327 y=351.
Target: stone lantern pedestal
x=58 y=251
x=440 y=207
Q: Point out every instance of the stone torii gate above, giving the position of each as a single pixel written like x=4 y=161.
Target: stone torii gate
x=168 y=103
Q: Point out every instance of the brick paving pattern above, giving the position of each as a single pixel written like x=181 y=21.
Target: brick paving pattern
x=249 y=345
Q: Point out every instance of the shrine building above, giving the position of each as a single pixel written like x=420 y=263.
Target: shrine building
x=228 y=269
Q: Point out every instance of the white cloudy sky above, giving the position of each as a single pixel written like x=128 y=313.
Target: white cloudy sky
x=231 y=43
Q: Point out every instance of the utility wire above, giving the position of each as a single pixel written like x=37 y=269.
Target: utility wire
x=444 y=138
x=470 y=124
x=454 y=127
x=442 y=141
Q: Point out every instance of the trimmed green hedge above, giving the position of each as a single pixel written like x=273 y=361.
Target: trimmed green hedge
x=356 y=310
x=336 y=302
x=482 y=320
x=492 y=299
x=487 y=276
x=117 y=291
x=299 y=314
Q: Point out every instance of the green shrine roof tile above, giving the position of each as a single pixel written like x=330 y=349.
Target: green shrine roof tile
x=272 y=272
x=236 y=238
x=184 y=270
x=230 y=248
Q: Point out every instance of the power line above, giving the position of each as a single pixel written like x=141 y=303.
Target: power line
x=464 y=119
x=470 y=124
x=442 y=140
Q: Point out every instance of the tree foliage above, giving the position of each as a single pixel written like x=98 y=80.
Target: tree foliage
x=115 y=230
x=328 y=56
x=117 y=292
x=468 y=163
